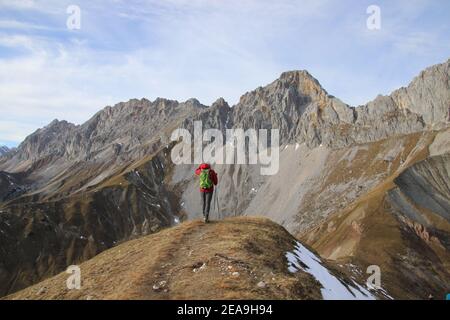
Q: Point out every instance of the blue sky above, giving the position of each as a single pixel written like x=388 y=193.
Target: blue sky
x=205 y=49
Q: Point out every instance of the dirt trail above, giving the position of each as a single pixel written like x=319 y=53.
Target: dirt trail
x=178 y=257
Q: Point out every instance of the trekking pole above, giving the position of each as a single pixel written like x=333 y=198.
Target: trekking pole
x=214 y=198
x=217 y=203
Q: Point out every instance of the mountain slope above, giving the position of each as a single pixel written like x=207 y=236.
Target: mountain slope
x=401 y=225
x=40 y=238
x=239 y=258
x=316 y=125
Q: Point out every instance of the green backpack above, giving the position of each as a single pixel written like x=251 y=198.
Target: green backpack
x=205 y=179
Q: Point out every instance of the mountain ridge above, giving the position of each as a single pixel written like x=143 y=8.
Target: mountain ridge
x=237 y=258
x=308 y=87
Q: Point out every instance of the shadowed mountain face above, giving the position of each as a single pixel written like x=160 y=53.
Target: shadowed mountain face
x=427 y=186
x=71 y=191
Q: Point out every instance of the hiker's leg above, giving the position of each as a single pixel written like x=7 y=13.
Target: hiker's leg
x=203 y=195
x=208 y=202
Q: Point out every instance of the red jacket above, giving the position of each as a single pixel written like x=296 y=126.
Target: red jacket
x=212 y=175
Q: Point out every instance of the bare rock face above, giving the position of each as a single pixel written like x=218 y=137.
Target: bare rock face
x=120 y=132
x=305 y=114
x=281 y=104
x=303 y=111
x=428 y=95
x=427 y=185
x=218 y=116
x=296 y=104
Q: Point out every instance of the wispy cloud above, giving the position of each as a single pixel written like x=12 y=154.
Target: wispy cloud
x=20 y=25
x=44 y=6
x=19 y=4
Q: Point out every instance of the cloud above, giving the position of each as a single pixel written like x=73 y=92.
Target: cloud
x=43 y=6
x=15 y=24
x=15 y=41
x=19 y=4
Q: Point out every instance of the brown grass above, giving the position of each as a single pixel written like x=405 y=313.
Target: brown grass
x=237 y=254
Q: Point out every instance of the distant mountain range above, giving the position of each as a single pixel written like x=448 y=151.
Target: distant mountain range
x=366 y=185
x=4 y=150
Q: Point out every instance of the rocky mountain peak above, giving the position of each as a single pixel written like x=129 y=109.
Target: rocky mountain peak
x=53 y=130
x=163 y=102
x=297 y=76
x=289 y=96
x=221 y=103
x=303 y=81
x=193 y=102
x=57 y=124
x=428 y=95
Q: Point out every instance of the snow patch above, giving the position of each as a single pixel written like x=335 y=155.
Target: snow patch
x=332 y=288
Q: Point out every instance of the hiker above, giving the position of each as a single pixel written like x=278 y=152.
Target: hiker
x=208 y=179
